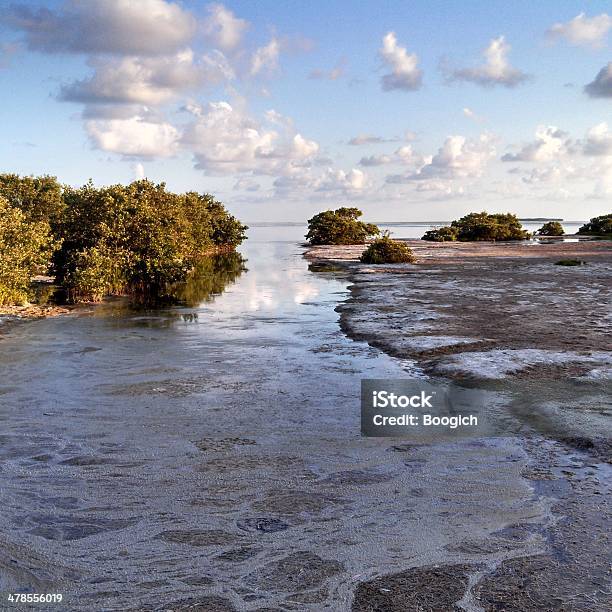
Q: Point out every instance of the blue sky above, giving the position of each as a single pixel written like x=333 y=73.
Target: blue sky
x=409 y=110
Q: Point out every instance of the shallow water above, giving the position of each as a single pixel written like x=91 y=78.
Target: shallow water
x=214 y=451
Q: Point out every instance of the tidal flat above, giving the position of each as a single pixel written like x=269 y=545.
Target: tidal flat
x=504 y=317
x=209 y=457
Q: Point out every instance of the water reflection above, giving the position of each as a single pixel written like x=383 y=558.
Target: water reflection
x=208 y=279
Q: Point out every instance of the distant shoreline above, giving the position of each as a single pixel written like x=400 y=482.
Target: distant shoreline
x=403 y=223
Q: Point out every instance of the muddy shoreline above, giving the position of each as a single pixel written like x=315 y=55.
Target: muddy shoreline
x=503 y=317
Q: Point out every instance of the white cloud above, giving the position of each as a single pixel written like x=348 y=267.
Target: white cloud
x=146 y=27
x=225 y=140
x=470 y=114
x=603 y=186
x=495 y=71
x=138 y=171
x=598 y=140
x=375 y=160
x=339 y=180
x=133 y=137
x=550 y=143
x=364 y=139
x=459 y=157
x=544 y=175
x=405 y=73
x=601 y=86
x=148 y=80
x=582 y=30
x=223 y=28
x=246 y=184
x=265 y=59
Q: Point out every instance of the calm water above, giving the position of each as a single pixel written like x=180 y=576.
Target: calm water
x=214 y=450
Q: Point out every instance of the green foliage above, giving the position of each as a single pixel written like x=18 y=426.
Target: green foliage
x=339 y=226
x=441 y=234
x=38 y=197
x=386 y=251
x=598 y=226
x=25 y=248
x=137 y=239
x=551 y=228
x=480 y=226
x=132 y=239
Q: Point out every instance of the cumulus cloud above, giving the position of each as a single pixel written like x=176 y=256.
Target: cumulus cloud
x=601 y=86
x=265 y=59
x=496 y=69
x=364 y=139
x=223 y=28
x=339 y=180
x=146 y=27
x=375 y=160
x=405 y=73
x=138 y=171
x=148 y=80
x=582 y=30
x=332 y=183
x=550 y=142
x=459 y=157
x=598 y=140
x=543 y=175
x=246 y=184
x=226 y=140
x=133 y=137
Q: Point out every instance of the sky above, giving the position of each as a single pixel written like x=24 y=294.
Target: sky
x=409 y=110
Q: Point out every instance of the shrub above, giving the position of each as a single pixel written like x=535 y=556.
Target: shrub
x=441 y=234
x=386 y=251
x=598 y=226
x=123 y=239
x=25 y=249
x=551 y=228
x=480 y=226
x=137 y=239
x=339 y=226
x=39 y=198
x=483 y=226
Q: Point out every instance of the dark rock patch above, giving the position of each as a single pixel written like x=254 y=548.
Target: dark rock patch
x=426 y=589
x=197 y=537
x=237 y=555
x=222 y=444
x=300 y=571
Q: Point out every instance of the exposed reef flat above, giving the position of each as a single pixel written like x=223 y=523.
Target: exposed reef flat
x=504 y=317
x=485 y=310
